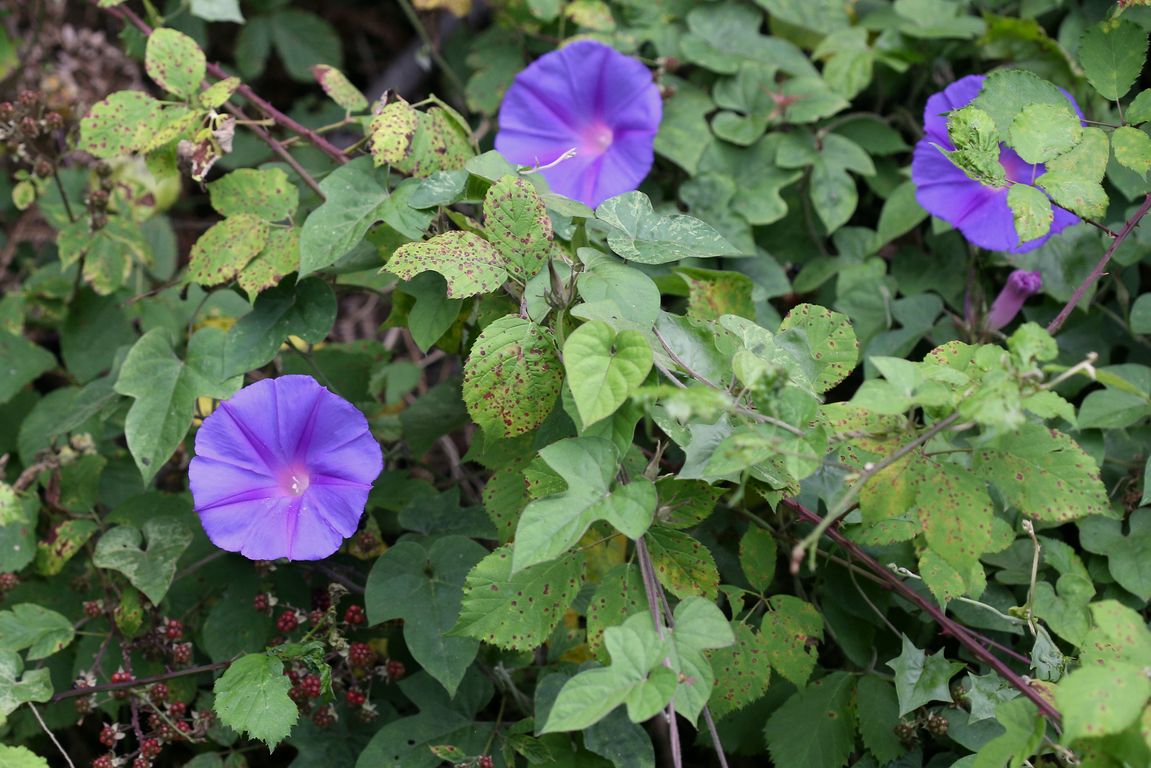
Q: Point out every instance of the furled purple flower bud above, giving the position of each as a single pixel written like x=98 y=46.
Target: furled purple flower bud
x=1021 y=284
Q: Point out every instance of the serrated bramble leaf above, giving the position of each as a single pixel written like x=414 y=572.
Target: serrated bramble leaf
x=280 y=257
x=604 y=368
x=1139 y=110
x=1088 y=159
x=830 y=340
x=1031 y=211
x=122 y=123
x=814 y=728
x=920 y=678
x=512 y=376
x=1098 y=701
x=618 y=595
x=217 y=94
x=151 y=567
x=876 y=708
x=1132 y=149
x=1112 y=54
x=945 y=582
x=109 y=253
x=757 y=552
x=517 y=611
x=1119 y=634
x=1042 y=132
x=469 y=264
x=175 y=62
x=23 y=362
x=339 y=88
x=265 y=193
x=742 y=671
x=165 y=389
x=640 y=234
x=423 y=585
x=682 y=564
x=550 y=526
x=71 y=536
x=1007 y=91
x=713 y=293
x=18 y=516
x=418 y=143
x=392 y=131
x=252 y=697
x=956 y=513
x=517 y=222
x=17 y=689
x=1044 y=474
x=41 y=631
x=20 y=757
x=792 y=628
x=226 y=248
x=1080 y=196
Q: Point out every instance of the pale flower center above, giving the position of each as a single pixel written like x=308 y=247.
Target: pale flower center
x=597 y=137
x=295 y=480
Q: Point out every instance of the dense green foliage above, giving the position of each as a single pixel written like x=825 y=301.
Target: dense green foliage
x=727 y=470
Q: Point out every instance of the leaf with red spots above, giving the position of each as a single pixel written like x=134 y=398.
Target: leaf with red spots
x=175 y=62
x=339 y=88
x=713 y=293
x=792 y=628
x=516 y=220
x=470 y=265
x=266 y=193
x=830 y=341
x=618 y=595
x=119 y=125
x=280 y=257
x=815 y=728
x=517 y=611
x=1098 y=701
x=512 y=376
x=742 y=671
x=226 y=248
x=682 y=564
x=1044 y=474
x=418 y=143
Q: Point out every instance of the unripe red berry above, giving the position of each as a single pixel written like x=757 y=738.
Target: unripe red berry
x=287 y=622
x=355 y=614
x=261 y=602
x=395 y=669
x=174 y=629
x=93 y=608
x=150 y=748
x=177 y=709
x=29 y=98
x=484 y=762
x=361 y=655
x=8 y=581
x=355 y=698
x=104 y=761
x=315 y=616
x=312 y=686
x=54 y=120
x=181 y=653
x=158 y=693
x=121 y=676
x=109 y=735
x=324 y=717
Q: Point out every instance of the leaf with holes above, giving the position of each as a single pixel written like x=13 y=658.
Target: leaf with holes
x=252 y=697
x=422 y=583
x=41 y=631
x=682 y=564
x=339 y=89
x=517 y=222
x=550 y=526
x=640 y=234
x=604 y=368
x=1044 y=474
x=265 y=193
x=226 y=248
x=517 y=611
x=175 y=62
x=792 y=628
x=829 y=339
x=512 y=376
x=742 y=671
x=151 y=568
x=469 y=264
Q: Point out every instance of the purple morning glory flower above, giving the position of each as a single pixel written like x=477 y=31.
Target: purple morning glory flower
x=980 y=212
x=1021 y=285
x=283 y=469
x=589 y=98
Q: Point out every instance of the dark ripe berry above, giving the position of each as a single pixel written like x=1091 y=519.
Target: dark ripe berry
x=93 y=609
x=181 y=653
x=905 y=731
x=109 y=736
x=312 y=686
x=287 y=622
x=150 y=748
x=297 y=694
x=177 y=709
x=261 y=602
x=395 y=669
x=355 y=698
x=158 y=693
x=104 y=761
x=321 y=600
x=8 y=581
x=120 y=676
x=174 y=629
x=355 y=614
x=484 y=762
x=361 y=655
x=43 y=167
x=324 y=716
x=293 y=675
x=83 y=705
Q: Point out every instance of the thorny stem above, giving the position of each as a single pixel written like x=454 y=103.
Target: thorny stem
x=280 y=150
x=139 y=682
x=1096 y=273
x=845 y=503
x=965 y=637
x=215 y=70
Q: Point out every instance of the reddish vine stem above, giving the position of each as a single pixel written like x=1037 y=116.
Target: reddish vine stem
x=968 y=639
x=1096 y=273
x=125 y=14
x=74 y=692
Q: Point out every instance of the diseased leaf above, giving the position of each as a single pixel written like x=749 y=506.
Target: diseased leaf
x=119 y=125
x=339 y=88
x=682 y=564
x=265 y=193
x=175 y=62
x=791 y=629
x=516 y=220
x=742 y=671
x=226 y=248
x=469 y=264
x=642 y=235
x=1031 y=211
